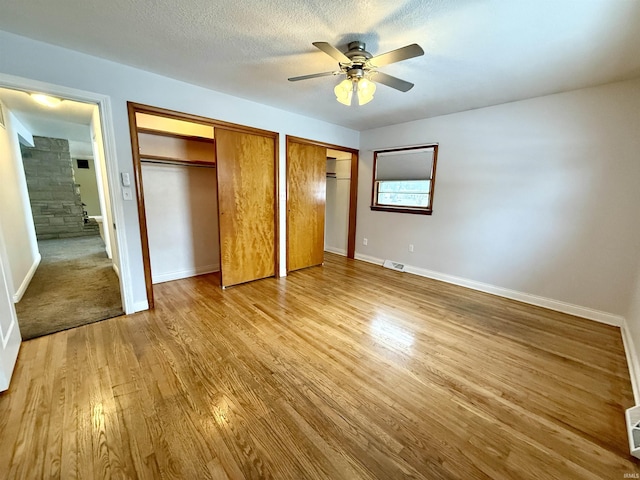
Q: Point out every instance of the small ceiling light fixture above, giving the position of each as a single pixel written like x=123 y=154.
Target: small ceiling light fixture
x=46 y=100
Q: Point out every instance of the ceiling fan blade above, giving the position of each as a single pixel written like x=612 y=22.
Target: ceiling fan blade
x=313 y=75
x=332 y=52
x=404 y=53
x=393 y=82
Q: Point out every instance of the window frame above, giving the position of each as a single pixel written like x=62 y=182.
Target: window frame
x=428 y=210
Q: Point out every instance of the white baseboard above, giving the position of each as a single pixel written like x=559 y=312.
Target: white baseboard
x=368 y=259
x=337 y=251
x=116 y=269
x=27 y=279
x=191 y=272
x=632 y=360
x=557 y=305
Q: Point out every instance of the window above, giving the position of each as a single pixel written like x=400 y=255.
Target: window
x=403 y=179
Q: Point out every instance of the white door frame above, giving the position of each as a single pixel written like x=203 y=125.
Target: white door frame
x=106 y=123
x=10 y=338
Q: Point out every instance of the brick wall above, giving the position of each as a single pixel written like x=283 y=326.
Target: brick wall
x=55 y=199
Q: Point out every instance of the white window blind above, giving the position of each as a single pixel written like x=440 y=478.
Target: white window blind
x=405 y=165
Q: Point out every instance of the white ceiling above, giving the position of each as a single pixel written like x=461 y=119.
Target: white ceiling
x=477 y=52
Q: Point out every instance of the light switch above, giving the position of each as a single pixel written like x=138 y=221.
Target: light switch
x=127 y=194
x=125 y=179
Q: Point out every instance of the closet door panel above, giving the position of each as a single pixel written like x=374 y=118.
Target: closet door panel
x=246 y=203
x=306 y=201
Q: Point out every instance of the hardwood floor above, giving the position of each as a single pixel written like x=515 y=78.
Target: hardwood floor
x=344 y=371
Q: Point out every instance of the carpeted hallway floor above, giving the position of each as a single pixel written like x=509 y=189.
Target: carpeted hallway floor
x=74 y=285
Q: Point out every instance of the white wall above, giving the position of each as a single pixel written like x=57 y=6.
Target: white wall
x=181 y=206
x=336 y=230
x=47 y=63
x=539 y=196
x=86 y=178
x=16 y=219
x=104 y=195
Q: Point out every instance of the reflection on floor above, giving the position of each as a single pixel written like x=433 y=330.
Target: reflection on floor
x=74 y=285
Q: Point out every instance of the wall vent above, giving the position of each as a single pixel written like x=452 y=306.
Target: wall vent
x=393 y=265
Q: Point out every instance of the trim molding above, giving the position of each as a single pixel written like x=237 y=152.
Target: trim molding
x=337 y=251
x=116 y=269
x=557 y=305
x=190 y=272
x=27 y=279
x=140 y=306
x=632 y=360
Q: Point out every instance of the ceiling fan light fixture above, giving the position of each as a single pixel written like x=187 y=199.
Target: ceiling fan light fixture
x=366 y=89
x=344 y=92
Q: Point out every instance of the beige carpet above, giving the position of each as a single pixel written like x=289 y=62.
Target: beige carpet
x=74 y=285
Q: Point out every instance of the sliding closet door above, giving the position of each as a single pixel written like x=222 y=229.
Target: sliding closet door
x=246 y=202
x=306 y=199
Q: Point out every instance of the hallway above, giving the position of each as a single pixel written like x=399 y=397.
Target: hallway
x=74 y=285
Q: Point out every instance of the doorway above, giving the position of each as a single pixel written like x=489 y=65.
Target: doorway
x=56 y=215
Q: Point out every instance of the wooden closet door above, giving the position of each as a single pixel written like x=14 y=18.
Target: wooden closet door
x=246 y=205
x=306 y=201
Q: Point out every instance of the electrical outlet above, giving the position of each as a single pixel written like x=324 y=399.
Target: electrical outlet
x=365 y=241
x=411 y=247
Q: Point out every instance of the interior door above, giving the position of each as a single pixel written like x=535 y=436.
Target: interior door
x=306 y=201
x=9 y=332
x=246 y=205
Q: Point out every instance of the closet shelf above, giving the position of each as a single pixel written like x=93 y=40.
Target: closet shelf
x=164 y=133
x=175 y=161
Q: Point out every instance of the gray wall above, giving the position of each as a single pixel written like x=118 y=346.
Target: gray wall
x=55 y=201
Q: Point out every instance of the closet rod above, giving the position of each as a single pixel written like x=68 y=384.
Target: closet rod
x=182 y=164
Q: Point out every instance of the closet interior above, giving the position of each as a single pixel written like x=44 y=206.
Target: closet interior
x=338 y=175
x=180 y=191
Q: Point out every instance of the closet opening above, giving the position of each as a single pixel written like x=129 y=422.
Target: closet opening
x=194 y=177
x=322 y=183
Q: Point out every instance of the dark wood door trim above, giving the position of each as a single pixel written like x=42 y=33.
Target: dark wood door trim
x=142 y=216
x=189 y=117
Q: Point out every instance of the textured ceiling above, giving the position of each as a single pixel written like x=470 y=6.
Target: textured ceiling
x=477 y=52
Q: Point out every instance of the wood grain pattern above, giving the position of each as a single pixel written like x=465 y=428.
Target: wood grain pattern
x=142 y=216
x=346 y=371
x=306 y=204
x=246 y=206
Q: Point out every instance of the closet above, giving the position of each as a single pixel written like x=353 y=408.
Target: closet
x=181 y=207
x=321 y=201
x=206 y=194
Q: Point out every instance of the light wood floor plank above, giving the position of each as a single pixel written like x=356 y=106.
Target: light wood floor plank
x=345 y=371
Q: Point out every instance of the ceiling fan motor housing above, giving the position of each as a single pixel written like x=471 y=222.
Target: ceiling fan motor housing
x=358 y=66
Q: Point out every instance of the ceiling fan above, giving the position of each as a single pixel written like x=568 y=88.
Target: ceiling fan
x=360 y=68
